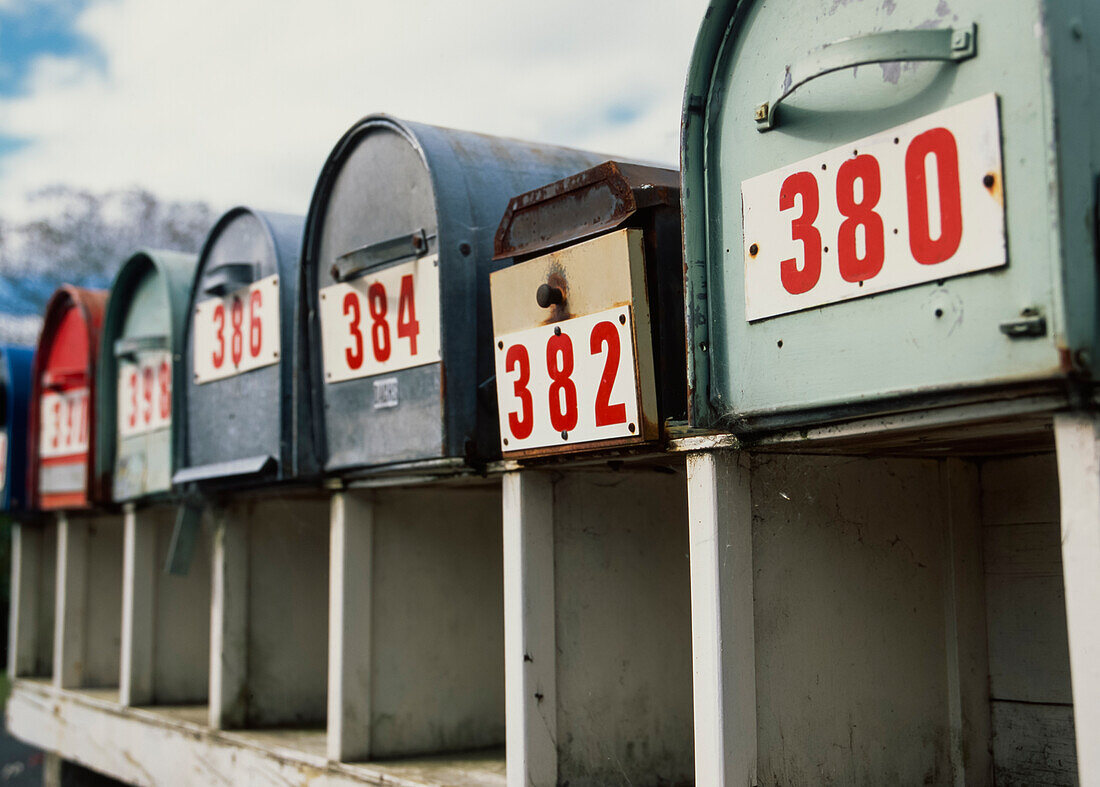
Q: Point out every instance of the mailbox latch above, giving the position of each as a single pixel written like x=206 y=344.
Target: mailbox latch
x=358 y=261
x=1030 y=323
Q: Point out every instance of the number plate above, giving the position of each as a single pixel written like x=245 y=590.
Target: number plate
x=145 y=393
x=237 y=333
x=383 y=322
x=64 y=427
x=569 y=382
x=920 y=202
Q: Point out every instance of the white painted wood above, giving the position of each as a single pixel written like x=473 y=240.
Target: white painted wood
x=71 y=618
x=965 y=621
x=26 y=554
x=722 y=614
x=228 y=622
x=1076 y=439
x=138 y=604
x=350 y=581
x=529 y=636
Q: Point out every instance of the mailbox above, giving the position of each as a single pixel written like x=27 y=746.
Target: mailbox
x=589 y=327
x=245 y=380
x=62 y=428
x=396 y=260
x=890 y=208
x=15 y=392
x=139 y=378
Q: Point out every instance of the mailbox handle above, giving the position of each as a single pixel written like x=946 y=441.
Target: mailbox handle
x=951 y=45
x=358 y=261
x=227 y=277
x=56 y=379
x=128 y=347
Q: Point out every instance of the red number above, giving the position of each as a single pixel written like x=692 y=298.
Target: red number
x=380 y=329
x=560 y=346
x=605 y=334
x=407 y=326
x=219 y=318
x=255 y=328
x=351 y=306
x=854 y=268
x=523 y=422
x=133 y=399
x=147 y=392
x=236 y=345
x=84 y=419
x=799 y=280
x=165 y=379
x=941 y=143
x=68 y=422
x=56 y=441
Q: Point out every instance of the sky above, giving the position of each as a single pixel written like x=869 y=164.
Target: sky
x=240 y=101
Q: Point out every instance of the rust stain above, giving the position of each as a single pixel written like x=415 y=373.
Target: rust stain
x=992 y=183
x=557 y=278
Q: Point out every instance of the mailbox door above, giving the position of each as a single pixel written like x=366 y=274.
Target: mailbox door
x=240 y=358
x=15 y=384
x=872 y=210
x=397 y=256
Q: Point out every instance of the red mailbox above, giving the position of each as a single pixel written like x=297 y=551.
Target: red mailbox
x=62 y=412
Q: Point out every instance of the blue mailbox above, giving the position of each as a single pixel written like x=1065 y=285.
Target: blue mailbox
x=15 y=392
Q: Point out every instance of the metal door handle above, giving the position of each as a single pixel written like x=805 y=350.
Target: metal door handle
x=227 y=277
x=128 y=347
x=950 y=45
x=359 y=261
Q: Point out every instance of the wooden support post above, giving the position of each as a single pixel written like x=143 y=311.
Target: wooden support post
x=229 y=623
x=139 y=575
x=529 y=644
x=1076 y=438
x=71 y=617
x=26 y=556
x=723 y=638
x=349 y=649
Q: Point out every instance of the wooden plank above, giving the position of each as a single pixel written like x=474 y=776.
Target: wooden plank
x=529 y=635
x=723 y=635
x=229 y=623
x=139 y=555
x=71 y=617
x=26 y=557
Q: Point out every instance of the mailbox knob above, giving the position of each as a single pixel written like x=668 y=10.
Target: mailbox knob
x=548 y=296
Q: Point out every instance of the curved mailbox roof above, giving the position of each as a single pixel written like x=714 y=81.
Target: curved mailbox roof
x=62 y=427
x=139 y=361
x=395 y=265
x=15 y=392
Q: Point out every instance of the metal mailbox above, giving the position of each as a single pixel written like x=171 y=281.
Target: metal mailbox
x=588 y=326
x=396 y=262
x=15 y=393
x=139 y=374
x=245 y=374
x=62 y=428
x=889 y=208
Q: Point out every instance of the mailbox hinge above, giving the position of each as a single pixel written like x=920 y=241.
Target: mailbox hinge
x=1031 y=323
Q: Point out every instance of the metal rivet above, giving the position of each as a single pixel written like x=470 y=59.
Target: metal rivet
x=761 y=112
x=417 y=241
x=506 y=441
x=938 y=312
x=989 y=180
x=779 y=343
x=754 y=250
x=564 y=435
x=631 y=428
x=464 y=249
x=557 y=331
x=500 y=345
x=622 y=319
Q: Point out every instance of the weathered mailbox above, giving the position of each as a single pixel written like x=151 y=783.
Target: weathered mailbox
x=396 y=260
x=15 y=392
x=891 y=207
x=245 y=423
x=588 y=328
x=139 y=377
x=62 y=427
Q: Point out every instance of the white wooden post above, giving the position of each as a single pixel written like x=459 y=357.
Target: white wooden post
x=71 y=617
x=26 y=554
x=722 y=626
x=139 y=576
x=229 y=623
x=529 y=644
x=1076 y=438
x=349 y=650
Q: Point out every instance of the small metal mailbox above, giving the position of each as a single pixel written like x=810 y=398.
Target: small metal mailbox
x=588 y=327
x=245 y=423
x=396 y=262
x=140 y=375
x=889 y=208
x=15 y=393
x=62 y=428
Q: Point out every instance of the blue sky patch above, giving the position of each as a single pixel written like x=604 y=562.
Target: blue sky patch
x=35 y=28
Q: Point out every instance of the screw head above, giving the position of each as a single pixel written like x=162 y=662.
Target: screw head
x=564 y=434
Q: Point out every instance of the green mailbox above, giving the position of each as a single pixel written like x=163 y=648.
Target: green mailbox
x=889 y=207
x=138 y=376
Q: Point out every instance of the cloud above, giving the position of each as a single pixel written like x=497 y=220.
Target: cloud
x=241 y=102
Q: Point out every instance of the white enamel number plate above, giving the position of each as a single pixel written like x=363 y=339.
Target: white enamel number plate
x=569 y=382
x=237 y=333
x=145 y=393
x=64 y=423
x=382 y=322
x=920 y=202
